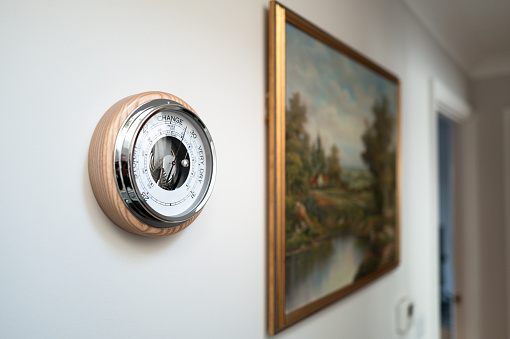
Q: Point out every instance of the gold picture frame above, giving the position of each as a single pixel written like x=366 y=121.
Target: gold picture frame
x=333 y=217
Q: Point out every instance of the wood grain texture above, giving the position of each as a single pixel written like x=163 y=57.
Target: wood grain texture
x=276 y=170
x=101 y=171
x=271 y=170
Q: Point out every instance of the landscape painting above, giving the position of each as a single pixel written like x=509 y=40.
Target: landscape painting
x=339 y=224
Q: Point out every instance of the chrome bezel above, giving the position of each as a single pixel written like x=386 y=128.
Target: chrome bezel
x=123 y=158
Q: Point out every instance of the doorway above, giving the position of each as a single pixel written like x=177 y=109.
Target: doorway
x=446 y=226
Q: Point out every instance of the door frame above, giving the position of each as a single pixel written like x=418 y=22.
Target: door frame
x=506 y=160
x=445 y=102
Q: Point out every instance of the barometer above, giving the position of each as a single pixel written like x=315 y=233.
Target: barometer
x=152 y=164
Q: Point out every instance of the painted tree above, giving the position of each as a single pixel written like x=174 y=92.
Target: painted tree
x=379 y=155
x=318 y=157
x=334 y=169
x=297 y=149
x=298 y=226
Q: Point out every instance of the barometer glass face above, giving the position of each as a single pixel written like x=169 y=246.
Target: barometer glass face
x=171 y=163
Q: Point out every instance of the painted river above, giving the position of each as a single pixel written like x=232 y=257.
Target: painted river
x=317 y=272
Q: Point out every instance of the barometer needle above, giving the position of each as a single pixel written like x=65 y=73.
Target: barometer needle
x=175 y=183
x=176 y=153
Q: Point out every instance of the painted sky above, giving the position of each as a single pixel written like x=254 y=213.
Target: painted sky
x=339 y=93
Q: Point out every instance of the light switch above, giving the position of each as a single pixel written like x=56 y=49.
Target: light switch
x=405 y=313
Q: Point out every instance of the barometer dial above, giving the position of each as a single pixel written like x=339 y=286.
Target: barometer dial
x=163 y=164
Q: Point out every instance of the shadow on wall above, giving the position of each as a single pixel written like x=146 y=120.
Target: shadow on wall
x=132 y=245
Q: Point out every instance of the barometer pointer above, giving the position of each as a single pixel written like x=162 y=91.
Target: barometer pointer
x=176 y=153
x=172 y=187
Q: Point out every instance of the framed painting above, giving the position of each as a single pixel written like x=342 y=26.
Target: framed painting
x=333 y=145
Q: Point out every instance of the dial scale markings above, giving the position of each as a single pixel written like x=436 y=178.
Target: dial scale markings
x=159 y=126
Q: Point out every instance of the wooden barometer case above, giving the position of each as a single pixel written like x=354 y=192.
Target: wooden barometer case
x=152 y=164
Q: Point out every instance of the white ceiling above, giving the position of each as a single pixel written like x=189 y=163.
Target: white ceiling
x=475 y=33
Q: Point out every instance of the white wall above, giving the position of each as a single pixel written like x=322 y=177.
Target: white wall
x=490 y=100
x=67 y=271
